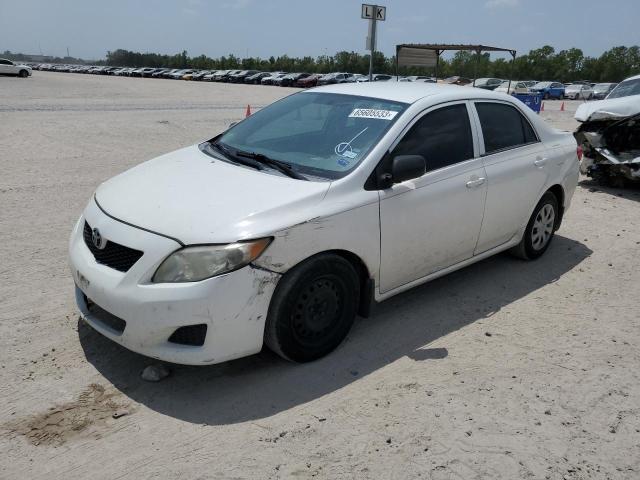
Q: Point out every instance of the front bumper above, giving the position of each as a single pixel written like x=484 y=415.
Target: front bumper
x=233 y=306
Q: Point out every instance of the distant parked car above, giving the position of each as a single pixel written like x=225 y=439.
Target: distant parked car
x=417 y=78
x=601 y=90
x=517 y=86
x=240 y=76
x=200 y=75
x=578 y=91
x=256 y=77
x=7 y=67
x=334 y=78
x=271 y=79
x=457 y=80
x=549 y=90
x=160 y=72
x=487 y=83
x=180 y=73
x=308 y=82
x=288 y=80
x=377 y=77
x=226 y=76
x=211 y=77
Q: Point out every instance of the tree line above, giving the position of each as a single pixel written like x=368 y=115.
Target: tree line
x=542 y=63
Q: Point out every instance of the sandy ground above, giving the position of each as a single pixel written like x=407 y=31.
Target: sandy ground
x=505 y=369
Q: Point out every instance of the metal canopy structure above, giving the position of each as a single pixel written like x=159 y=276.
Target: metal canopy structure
x=428 y=54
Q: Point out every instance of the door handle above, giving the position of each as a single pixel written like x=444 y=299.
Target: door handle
x=540 y=162
x=476 y=182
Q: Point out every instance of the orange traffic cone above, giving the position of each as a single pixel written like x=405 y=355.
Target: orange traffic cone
x=542 y=107
x=248 y=111
x=562 y=107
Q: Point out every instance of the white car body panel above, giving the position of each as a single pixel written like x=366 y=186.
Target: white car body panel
x=262 y=202
x=608 y=108
x=403 y=236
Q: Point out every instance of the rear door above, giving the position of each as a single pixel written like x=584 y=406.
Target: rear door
x=517 y=171
x=432 y=222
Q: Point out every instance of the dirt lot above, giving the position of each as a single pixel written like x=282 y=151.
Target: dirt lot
x=503 y=370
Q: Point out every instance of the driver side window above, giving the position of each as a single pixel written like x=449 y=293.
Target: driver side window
x=443 y=137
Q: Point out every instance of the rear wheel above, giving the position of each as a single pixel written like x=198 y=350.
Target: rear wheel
x=540 y=229
x=23 y=74
x=546 y=96
x=313 y=308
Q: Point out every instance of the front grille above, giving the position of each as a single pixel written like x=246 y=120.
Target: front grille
x=193 y=335
x=113 y=254
x=107 y=319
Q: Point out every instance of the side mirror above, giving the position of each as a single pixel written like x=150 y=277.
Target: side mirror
x=407 y=167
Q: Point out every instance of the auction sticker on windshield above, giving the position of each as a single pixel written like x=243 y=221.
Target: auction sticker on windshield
x=373 y=113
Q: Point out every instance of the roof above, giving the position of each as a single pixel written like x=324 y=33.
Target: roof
x=450 y=46
x=406 y=92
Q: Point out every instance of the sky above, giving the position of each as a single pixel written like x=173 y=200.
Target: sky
x=90 y=28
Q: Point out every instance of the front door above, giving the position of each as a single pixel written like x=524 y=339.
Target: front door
x=433 y=222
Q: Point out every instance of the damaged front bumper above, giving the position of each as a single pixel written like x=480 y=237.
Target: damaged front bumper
x=611 y=148
x=206 y=322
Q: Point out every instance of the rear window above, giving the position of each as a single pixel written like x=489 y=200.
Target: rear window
x=503 y=127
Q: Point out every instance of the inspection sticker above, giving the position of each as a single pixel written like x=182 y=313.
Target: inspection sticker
x=373 y=113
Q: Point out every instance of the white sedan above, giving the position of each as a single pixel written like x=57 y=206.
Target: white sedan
x=578 y=91
x=7 y=67
x=286 y=226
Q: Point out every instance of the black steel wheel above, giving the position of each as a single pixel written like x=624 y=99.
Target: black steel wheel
x=313 y=308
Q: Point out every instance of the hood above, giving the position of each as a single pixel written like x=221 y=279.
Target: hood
x=615 y=108
x=196 y=198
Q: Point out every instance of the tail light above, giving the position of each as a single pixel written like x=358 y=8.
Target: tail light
x=579 y=152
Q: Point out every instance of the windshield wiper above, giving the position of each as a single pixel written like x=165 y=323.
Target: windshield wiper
x=227 y=153
x=277 y=164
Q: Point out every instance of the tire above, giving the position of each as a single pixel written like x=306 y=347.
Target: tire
x=546 y=96
x=540 y=229
x=23 y=74
x=313 y=308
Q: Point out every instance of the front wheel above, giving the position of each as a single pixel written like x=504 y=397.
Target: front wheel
x=540 y=229
x=313 y=308
x=23 y=74
x=546 y=96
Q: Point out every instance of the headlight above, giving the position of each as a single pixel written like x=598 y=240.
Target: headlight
x=192 y=264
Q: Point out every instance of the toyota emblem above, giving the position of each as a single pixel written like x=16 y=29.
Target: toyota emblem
x=97 y=240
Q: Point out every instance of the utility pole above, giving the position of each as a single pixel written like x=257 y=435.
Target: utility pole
x=373 y=13
x=372 y=29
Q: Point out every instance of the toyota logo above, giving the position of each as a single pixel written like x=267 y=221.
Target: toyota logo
x=97 y=240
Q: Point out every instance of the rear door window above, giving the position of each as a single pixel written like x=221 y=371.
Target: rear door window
x=503 y=127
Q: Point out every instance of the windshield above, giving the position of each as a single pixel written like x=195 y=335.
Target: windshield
x=321 y=134
x=626 y=89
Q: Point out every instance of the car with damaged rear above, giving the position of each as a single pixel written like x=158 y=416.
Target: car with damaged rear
x=285 y=227
x=609 y=134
